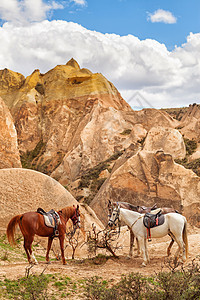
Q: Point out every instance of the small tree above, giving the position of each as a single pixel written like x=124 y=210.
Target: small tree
x=73 y=237
x=102 y=239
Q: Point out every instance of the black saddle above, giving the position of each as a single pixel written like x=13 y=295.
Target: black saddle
x=153 y=219
x=53 y=219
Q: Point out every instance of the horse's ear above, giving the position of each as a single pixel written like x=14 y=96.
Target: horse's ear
x=77 y=207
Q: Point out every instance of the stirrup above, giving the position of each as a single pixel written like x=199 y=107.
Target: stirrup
x=56 y=233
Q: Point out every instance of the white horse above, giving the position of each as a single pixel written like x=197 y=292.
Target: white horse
x=175 y=225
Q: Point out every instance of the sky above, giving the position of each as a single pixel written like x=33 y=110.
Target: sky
x=149 y=49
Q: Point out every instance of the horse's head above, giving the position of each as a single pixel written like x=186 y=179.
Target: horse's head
x=111 y=206
x=76 y=216
x=114 y=216
x=110 y=209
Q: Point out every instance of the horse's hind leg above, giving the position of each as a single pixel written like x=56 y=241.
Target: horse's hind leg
x=181 y=248
x=26 y=250
x=27 y=246
x=61 y=238
x=50 y=240
x=171 y=244
x=131 y=243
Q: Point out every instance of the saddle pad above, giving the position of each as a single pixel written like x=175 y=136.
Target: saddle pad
x=151 y=221
x=49 y=221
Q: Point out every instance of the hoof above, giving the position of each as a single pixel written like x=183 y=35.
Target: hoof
x=143 y=264
x=33 y=262
x=128 y=257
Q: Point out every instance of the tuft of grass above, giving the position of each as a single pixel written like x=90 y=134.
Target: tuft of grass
x=126 y=132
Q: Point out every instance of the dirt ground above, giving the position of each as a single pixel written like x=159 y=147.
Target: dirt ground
x=111 y=268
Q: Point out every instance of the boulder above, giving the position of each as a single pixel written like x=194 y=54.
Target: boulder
x=167 y=139
x=23 y=190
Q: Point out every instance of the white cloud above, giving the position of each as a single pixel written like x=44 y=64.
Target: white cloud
x=26 y=10
x=79 y=2
x=162 y=16
x=161 y=77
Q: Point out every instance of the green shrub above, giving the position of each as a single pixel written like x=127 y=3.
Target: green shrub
x=31 y=288
x=181 y=284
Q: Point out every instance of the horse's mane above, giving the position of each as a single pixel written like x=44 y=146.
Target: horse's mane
x=67 y=211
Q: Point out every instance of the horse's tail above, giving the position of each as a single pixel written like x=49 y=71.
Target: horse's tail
x=185 y=238
x=11 y=229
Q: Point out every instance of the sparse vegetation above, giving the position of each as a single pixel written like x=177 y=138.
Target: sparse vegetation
x=33 y=159
x=191 y=146
x=29 y=158
x=174 y=285
x=176 y=113
x=126 y=132
x=90 y=179
x=193 y=165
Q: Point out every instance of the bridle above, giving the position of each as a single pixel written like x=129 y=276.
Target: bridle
x=76 y=218
x=113 y=222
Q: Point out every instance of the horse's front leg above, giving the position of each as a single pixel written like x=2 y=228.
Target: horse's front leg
x=138 y=248
x=50 y=240
x=143 y=247
x=62 y=238
x=131 y=243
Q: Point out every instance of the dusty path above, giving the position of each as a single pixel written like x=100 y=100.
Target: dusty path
x=107 y=269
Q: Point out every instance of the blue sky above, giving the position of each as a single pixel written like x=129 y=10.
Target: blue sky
x=149 y=49
x=125 y=17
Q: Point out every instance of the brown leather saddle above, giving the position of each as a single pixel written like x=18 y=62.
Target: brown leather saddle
x=153 y=219
x=51 y=219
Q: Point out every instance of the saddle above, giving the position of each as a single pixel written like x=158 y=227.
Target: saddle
x=153 y=219
x=51 y=219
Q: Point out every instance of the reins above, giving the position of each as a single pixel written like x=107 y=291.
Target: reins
x=136 y=221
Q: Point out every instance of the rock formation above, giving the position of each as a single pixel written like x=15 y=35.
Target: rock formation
x=147 y=178
x=23 y=190
x=74 y=125
x=167 y=139
x=9 y=152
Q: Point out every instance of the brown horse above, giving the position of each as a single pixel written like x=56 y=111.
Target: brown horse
x=32 y=223
x=141 y=210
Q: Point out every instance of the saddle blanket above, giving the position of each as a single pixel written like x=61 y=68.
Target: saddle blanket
x=49 y=221
x=51 y=218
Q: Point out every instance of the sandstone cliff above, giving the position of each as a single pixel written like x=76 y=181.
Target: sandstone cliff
x=9 y=152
